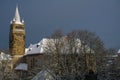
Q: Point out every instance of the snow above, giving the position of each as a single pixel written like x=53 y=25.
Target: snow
x=88 y=49
x=119 y=51
x=37 y=48
x=43 y=75
x=16 y=18
x=114 y=56
x=4 y=56
x=17 y=22
x=22 y=66
x=47 y=45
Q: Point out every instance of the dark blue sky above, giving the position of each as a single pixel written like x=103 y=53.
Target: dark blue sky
x=42 y=17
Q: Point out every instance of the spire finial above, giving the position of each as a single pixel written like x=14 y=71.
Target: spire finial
x=16 y=18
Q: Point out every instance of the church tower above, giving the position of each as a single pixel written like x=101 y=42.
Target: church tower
x=17 y=37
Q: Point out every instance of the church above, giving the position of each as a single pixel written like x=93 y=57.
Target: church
x=20 y=60
x=26 y=60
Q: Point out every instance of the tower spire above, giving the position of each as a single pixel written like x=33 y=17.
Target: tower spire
x=16 y=18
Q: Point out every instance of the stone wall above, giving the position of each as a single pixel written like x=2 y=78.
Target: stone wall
x=17 y=39
x=17 y=42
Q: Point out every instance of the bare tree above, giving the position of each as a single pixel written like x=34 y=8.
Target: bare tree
x=74 y=53
x=95 y=44
x=6 y=71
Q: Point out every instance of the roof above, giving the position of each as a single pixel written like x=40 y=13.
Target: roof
x=119 y=51
x=16 y=18
x=43 y=75
x=22 y=66
x=48 y=45
x=39 y=47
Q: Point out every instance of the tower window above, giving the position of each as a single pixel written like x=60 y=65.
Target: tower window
x=19 y=27
x=18 y=34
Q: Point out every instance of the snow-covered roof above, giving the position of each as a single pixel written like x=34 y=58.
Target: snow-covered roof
x=43 y=75
x=36 y=48
x=16 y=18
x=119 y=51
x=4 y=56
x=22 y=66
x=48 y=45
x=114 y=56
x=40 y=47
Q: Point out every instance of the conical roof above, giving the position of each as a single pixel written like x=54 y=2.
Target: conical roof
x=16 y=18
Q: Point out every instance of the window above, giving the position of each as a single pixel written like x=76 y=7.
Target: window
x=38 y=45
x=18 y=34
x=30 y=49
x=19 y=27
